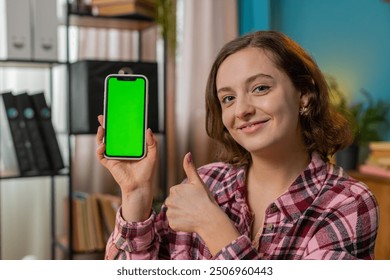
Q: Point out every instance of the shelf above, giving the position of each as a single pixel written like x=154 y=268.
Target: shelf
x=63 y=172
x=135 y=23
x=15 y=63
x=123 y=23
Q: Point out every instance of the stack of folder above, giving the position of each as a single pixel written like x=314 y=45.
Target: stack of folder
x=28 y=30
x=93 y=220
x=34 y=138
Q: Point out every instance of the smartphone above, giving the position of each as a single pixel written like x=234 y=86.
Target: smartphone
x=125 y=116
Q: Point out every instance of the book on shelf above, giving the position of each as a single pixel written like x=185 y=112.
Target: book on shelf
x=378 y=160
x=96 y=230
x=46 y=128
x=108 y=206
x=123 y=8
x=109 y=2
x=379 y=154
x=8 y=161
x=79 y=243
x=39 y=157
x=81 y=223
x=374 y=170
x=151 y=3
x=33 y=136
x=379 y=146
x=16 y=123
x=93 y=220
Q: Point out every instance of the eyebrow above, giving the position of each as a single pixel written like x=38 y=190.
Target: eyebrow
x=248 y=81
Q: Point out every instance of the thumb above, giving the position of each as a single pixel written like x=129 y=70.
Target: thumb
x=190 y=169
x=192 y=174
x=151 y=143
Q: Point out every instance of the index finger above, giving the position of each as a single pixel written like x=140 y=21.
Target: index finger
x=99 y=135
x=100 y=120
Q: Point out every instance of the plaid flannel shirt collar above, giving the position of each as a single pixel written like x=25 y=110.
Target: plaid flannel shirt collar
x=301 y=194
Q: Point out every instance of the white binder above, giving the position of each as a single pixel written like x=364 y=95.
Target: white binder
x=15 y=30
x=45 y=24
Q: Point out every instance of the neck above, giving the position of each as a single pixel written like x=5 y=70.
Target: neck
x=277 y=171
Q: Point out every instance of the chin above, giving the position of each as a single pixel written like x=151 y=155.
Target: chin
x=262 y=148
x=256 y=149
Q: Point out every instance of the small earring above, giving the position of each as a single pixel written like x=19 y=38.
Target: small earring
x=302 y=110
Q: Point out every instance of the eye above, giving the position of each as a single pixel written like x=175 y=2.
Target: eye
x=261 y=89
x=227 y=99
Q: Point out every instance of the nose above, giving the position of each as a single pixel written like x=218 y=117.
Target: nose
x=244 y=107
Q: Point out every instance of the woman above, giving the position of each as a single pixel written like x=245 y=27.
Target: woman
x=273 y=195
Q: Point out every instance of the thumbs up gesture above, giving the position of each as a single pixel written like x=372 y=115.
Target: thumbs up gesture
x=192 y=208
x=189 y=204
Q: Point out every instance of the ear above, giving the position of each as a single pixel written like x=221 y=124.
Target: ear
x=304 y=99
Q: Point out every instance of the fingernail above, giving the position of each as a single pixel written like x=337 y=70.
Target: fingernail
x=189 y=157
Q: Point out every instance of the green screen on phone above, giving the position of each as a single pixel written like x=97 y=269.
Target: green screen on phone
x=125 y=116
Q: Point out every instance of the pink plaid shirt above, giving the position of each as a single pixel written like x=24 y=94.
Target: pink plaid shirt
x=325 y=214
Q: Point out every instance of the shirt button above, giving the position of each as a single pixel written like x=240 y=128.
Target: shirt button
x=273 y=208
x=270 y=226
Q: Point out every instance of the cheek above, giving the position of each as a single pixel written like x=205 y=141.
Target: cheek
x=226 y=119
x=280 y=109
x=288 y=118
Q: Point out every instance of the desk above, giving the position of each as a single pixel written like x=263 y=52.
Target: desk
x=380 y=187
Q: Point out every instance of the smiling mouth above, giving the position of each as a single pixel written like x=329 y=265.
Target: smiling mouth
x=250 y=127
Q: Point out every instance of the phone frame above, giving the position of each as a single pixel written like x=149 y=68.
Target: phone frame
x=130 y=77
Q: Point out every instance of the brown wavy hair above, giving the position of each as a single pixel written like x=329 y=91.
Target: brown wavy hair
x=325 y=131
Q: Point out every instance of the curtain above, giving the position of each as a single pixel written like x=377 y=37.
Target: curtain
x=206 y=27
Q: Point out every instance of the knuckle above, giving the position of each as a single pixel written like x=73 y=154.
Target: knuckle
x=168 y=204
x=174 y=190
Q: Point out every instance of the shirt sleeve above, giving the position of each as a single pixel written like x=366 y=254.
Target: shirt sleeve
x=349 y=232
x=239 y=249
x=133 y=240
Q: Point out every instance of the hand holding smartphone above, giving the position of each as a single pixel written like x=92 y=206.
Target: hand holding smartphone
x=125 y=116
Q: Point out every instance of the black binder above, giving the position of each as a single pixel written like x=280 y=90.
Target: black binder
x=18 y=133
x=47 y=130
x=40 y=159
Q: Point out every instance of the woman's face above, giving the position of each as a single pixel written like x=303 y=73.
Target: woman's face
x=260 y=105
